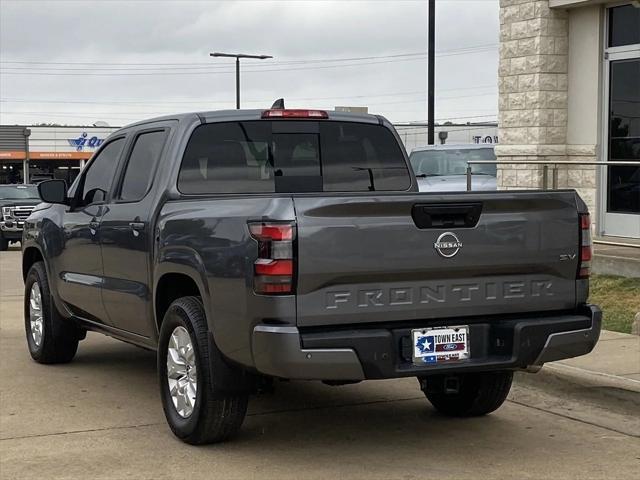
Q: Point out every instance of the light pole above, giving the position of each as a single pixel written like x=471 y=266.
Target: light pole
x=25 y=164
x=431 y=98
x=238 y=56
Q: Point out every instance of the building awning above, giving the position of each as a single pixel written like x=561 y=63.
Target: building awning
x=12 y=155
x=17 y=155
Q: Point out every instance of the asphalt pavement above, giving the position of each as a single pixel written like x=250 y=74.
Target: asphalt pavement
x=100 y=417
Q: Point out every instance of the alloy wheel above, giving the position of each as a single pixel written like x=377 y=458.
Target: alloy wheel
x=182 y=375
x=36 y=314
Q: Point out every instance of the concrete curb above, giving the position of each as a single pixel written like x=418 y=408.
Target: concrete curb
x=591 y=378
x=635 y=326
x=613 y=265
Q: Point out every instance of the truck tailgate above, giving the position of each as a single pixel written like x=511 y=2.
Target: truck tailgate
x=365 y=259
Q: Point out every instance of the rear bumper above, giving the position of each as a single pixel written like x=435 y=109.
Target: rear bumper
x=278 y=351
x=373 y=352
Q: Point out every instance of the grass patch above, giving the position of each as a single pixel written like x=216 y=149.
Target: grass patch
x=619 y=298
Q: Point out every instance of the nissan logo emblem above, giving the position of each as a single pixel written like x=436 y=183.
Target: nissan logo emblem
x=448 y=245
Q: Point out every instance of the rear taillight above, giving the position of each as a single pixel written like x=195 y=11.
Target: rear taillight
x=289 y=113
x=274 y=269
x=584 y=262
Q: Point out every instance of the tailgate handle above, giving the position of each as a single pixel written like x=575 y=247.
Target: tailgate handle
x=446 y=215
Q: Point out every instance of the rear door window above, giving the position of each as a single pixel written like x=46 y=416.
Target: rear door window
x=292 y=156
x=229 y=157
x=141 y=165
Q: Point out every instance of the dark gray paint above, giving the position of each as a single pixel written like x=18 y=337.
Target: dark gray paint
x=364 y=259
x=277 y=352
x=104 y=275
x=570 y=344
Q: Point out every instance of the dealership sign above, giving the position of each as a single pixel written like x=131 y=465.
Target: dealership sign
x=485 y=139
x=82 y=141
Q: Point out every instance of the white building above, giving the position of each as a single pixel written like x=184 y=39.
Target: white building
x=570 y=91
x=37 y=152
x=415 y=135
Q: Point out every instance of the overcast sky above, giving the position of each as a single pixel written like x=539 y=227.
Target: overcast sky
x=76 y=62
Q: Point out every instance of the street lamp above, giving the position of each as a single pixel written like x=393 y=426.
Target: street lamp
x=431 y=81
x=25 y=163
x=238 y=56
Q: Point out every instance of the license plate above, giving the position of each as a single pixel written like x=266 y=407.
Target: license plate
x=433 y=346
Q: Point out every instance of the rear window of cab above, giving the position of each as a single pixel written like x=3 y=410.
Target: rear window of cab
x=292 y=156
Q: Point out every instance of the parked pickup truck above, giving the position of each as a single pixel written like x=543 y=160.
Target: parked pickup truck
x=244 y=246
x=16 y=204
x=443 y=168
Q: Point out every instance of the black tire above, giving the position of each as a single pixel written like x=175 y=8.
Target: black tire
x=216 y=415
x=478 y=394
x=4 y=244
x=60 y=336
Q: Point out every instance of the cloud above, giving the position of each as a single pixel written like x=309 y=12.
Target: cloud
x=171 y=32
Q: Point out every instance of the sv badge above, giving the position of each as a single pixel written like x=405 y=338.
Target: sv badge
x=568 y=256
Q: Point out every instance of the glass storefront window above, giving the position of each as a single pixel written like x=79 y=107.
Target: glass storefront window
x=624 y=25
x=624 y=136
x=40 y=170
x=10 y=172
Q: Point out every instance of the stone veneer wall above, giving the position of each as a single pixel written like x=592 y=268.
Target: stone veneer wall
x=533 y=100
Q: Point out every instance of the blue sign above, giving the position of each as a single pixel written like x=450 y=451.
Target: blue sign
x=82 y=141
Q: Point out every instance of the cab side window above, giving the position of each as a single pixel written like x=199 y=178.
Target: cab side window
x=99 y=175
x=141 y=166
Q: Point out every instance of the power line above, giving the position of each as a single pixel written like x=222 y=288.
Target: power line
x=195 y=66
x=462 y=50
x=210 y=71
x=264 y=102
x=169 y=112
x=143 y=102
x=65 y=115
x=441 y=119
x=164 y=112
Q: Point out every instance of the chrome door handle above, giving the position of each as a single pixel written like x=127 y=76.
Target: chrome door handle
x=136 y=228
x=136 y=225
x=93 y=226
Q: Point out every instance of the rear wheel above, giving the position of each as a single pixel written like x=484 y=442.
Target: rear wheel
x=467 y=395
x=196 y=413
x=50 y=337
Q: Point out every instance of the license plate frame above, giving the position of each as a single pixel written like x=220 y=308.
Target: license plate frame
x=438 y=345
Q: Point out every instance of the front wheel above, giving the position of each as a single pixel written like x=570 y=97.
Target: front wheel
x=4 y=244
x=467 y=395
x=50 y=337
x=195 y=412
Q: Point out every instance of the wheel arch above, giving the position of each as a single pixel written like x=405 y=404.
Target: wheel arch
x=31 y=255
x=174 y=280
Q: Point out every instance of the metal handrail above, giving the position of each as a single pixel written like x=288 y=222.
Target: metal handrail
x=545 y=170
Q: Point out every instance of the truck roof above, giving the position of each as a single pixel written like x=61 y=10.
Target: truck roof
x=255 y=114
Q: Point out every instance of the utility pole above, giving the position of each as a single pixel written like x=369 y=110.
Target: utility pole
x=431 y=74
x=237 y=83
x=238 y=56
x=27 y=156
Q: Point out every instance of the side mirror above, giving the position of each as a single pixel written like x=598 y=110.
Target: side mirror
x=53 y=191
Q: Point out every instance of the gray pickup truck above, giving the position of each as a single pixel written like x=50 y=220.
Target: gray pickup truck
x=249 y=245
x=16 y=204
